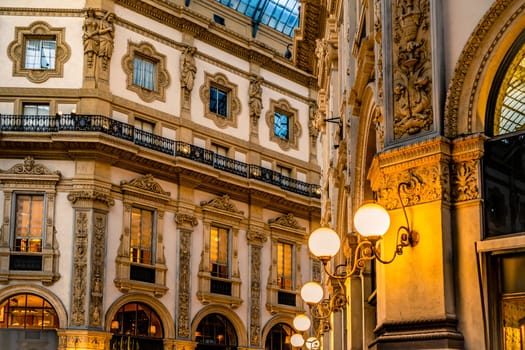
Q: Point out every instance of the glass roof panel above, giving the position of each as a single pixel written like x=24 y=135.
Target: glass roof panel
x=510 y=106
x=281 y=15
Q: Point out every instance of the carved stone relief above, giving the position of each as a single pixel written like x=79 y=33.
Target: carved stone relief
x=183 y=320
x=412 y=84
x=255 y=295
x=255 y=100
x=465 y=180
x=80 y=255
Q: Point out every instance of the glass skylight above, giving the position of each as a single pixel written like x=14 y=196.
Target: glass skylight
x=281 y=15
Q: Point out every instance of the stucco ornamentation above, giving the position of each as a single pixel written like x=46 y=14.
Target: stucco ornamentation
x=256 y=237
x=188 y=68
x=465 y=181
x=412 y=85
x=287 y=220
x=146 y=183
x=255 y=295
x=255 y=99
x=222 y=203
x=78 y=311
x=94 y=195
x=184 y=300
x=29 y=167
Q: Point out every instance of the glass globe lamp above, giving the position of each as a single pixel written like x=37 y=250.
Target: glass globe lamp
x=302 y=322
x=297 y=340
x=312 y=293
x=371 y=220
x=324 y=243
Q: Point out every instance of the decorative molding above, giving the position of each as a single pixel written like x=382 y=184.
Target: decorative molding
x=255 y=101
x=161 y=78
x=79 y=280
x=222 y=203
x=92 y=195
x=147 y=183
x=287 y=220
x=294 y=127
x=464 y=181
x=255 y=295
x=98 y=263
x=185 y=219
x=412 y=68
x=29 y=167
x=221 y=82
x=184 y=290
x=256 y=237
x=16 y=51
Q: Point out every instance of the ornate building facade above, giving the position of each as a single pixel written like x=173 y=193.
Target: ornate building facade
x=421 y=109
x=159 y=175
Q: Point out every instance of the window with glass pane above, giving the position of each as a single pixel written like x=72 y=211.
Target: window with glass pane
x=284 y=265
x=29 y=228
x=141 y=236
x=144 y=73
x=144 y=125
x=27 y=311
x=281 y=125
x=219 y=252
x=279 y=337
x=218 y=101
x=40 y=53
x=36 y=109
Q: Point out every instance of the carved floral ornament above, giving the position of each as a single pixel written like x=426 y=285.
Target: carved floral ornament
x=412 y=85
x=222 y=203
x=29 y=167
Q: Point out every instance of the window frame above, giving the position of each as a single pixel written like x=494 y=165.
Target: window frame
x=22 y=179
x=17 y=51
x=221 y=82
x=41 y=40
x=146 y=61
x=294 y=127
x=161 y=75
x=145 y=193
x=220 y=212
x=285 y=229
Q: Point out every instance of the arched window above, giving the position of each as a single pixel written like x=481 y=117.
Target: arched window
x=136 y=326
x=27 y=311
x=504 y=200
x=215 y=332
x=279 y=337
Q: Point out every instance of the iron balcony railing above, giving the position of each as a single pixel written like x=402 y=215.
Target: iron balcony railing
x=115 y=128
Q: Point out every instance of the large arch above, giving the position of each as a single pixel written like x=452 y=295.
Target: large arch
x=475 y=69
x=164 y=315
x=240 y=329
x=55 y=302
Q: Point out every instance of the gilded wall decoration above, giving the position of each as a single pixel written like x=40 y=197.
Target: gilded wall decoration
x=417 y=185
x=465 y=180
x=412 y=84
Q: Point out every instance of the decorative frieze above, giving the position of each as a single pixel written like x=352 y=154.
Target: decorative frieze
x=184 y=299
x=80 y=257
x=255 y=295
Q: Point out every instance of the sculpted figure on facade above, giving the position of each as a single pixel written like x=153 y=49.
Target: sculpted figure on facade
x=412 y=68
x=188 y=68
x=90 y=37
x=255 y=95
x=106 y=34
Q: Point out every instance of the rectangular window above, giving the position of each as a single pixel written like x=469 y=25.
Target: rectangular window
x=144 y=73
x=281 y=125
x=144 y=125
x=284 y=171
x=142 y=224
x=219 y=252
x=218 y=101
x=40 y=53
x=35 y=109
x=220 y=150
x=284 y=266
x=29 y=227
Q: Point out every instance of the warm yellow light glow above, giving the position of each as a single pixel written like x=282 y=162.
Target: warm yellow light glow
x=312 y=343
x=302 y=322
x=324 y=243
x=312 y=292
x=297 y=340
x=371 y=220
x=114 y=324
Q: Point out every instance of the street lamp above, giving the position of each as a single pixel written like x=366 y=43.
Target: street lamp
x=371 y=221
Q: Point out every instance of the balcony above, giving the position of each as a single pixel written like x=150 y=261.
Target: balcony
x=123 y=131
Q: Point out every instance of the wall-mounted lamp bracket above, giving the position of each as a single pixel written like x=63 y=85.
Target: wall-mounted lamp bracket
x=335 y=120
